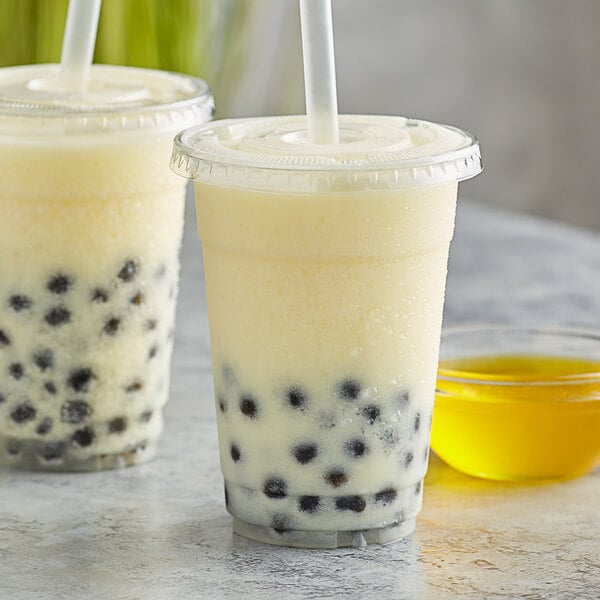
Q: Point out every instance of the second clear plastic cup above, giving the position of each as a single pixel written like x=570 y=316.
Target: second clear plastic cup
x=325 y=272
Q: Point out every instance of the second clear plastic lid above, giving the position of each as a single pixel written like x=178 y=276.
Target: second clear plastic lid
x=374 y=151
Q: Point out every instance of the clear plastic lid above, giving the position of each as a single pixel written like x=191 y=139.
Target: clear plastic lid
x=375 y=152
x=117 y=99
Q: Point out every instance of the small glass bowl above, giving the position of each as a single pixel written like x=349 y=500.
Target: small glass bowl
x=517 y=403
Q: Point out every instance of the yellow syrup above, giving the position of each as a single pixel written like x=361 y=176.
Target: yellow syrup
x=518 y=417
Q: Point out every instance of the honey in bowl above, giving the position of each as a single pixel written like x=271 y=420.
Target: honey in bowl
x=518 y=416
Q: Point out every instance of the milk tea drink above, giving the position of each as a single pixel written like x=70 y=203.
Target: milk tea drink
x=325 y=271
x=90 y=227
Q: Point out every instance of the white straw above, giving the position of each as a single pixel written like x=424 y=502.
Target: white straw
x=319 y=71
x=79 y=42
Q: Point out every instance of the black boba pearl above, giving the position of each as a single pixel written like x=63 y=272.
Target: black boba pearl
x=59 y=284
x=389 y=436
x=16 y=370
x=281 y=523
x=236 y=455
x=44 y=359
x=386 y=496
x=117 y=425
x=57 y=316
x=417 y=422
x=13 y=447
x=75 y=411
x=275 y=488
x=222 y=405
x=135 y=386
x=336 y=477
x=4 y=339
x=83 y=437
x=152 y=352
x=150 y=324
x=371 y=412
x=23 y=413
x=309 y=504
x=112 y=326
x=52 y=450
x=50 y=387
x=137 y=299
x=356 y=448
x=304 y=453
x=349 y=389
x=2 y=399
x=146 y=416
x=353 y=503
x=128 y=271
x=418 y=488
x=44 y=426
x=408 y=459
x=20 y=302
x=79 y=379
x=100 y=296
x=248 y=406
x=296 y=397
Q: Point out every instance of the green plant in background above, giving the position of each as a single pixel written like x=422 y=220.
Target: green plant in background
x=198 y=37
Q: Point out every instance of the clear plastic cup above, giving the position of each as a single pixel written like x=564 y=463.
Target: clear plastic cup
x=325 y=270
x=90 y=228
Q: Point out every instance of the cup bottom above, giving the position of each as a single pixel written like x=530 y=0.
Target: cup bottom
x=26 y=456
x=324 y=539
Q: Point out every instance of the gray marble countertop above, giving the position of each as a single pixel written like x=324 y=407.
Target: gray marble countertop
x=160 y=531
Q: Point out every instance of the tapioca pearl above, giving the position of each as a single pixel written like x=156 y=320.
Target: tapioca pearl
x=309 y=504
x=79 y=379
x=222 y=404
x=336 y=477
x=275 y=488
x=19 y=302
x=305 y=453
x=150 y=324
x=13 y=448
x=235 y=453
x=128 y=271
x=349 y=389
x=51 y=451
x=4 y=339
x=356 y=448
x=418 y=488
x=134 y=386
x=137 y=299
x=228 y=376
x=23 y=413
x=386 y=496
x=389 y=436
x=16 y=370
x=83 y=437
x=371 y=413
x=100 y=296
x=50 y=387
x=111 y=326
x=75 y=412
x=57 y=316
x=2 y=398
x=146 y=416
x=417 y=422
x=117 y=425
x=44 y=426
x=59 y=283
x=353 y=503
x=152 y=351
x=408 y=459
x=249 y=406
x=296 y=397
x=43 y=359
x=281 y=523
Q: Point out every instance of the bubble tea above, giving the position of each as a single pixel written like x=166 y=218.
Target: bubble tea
x=325 y=271
x=90 y=227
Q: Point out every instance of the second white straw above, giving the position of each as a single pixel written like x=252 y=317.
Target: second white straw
x=319 y=71
x=79 y=41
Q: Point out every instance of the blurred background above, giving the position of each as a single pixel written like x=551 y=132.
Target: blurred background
x=524 y=76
